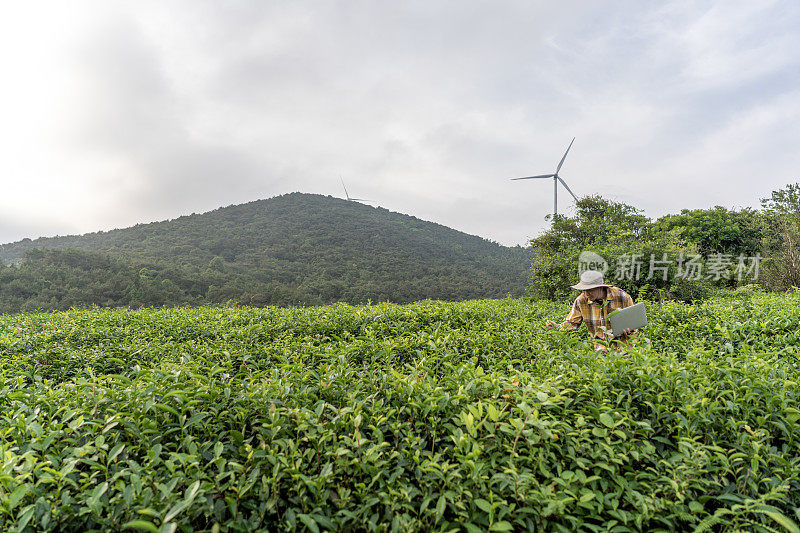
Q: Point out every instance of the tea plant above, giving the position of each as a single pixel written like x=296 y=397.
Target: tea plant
x=466 y=416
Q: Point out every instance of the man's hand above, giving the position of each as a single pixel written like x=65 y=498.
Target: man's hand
x=551 y=324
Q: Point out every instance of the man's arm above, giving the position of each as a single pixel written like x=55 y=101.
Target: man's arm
x=627 y=301
x=573 y=320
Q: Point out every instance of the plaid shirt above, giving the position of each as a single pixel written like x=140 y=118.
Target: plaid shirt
x=596 y=315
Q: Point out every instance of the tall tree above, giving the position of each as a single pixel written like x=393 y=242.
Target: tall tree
x=718 y=230
x=781 y=240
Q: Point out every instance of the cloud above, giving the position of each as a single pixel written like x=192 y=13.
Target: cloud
x=139 y=120
x=163 y=109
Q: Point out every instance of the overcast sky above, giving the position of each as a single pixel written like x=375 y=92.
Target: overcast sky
x=115 y=113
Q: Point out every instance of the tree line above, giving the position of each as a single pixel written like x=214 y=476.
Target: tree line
x=684 y=256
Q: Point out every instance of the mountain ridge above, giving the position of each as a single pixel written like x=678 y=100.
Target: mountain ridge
x=298 y=248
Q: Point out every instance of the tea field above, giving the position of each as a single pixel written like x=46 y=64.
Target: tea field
x=467 y=416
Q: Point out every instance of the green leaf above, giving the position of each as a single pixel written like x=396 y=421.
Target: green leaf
x=309 y=522
x=502 y=525
x=191 y=492
x=166 y=408
x=606 y=420
x=484 y=505
x=786 y=522
x=472 y=528
x=141 y=525
x=696 y=507
x=440 y=507
x=291 y=518
x=730 y=497
x=115 y=452
x=17 y=495
x=97 y=493
x=25 y=517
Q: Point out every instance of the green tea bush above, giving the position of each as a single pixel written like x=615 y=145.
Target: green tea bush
x=467 y=416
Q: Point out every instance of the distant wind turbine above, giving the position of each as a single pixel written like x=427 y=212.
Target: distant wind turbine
x=556 y=179
x=348 y=196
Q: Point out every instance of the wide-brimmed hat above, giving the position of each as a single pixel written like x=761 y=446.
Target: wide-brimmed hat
x=590 y=279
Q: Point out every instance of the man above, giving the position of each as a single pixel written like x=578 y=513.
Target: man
x=593 y=306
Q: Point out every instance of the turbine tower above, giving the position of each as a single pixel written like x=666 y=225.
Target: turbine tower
x=556 y=179
x=348 y=196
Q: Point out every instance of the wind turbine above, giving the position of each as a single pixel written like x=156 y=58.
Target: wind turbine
x=348 y=196
x=556 y=179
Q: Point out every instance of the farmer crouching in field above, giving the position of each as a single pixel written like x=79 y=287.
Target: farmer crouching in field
x=596 y=302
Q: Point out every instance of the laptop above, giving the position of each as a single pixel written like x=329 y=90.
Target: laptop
x=632 y=317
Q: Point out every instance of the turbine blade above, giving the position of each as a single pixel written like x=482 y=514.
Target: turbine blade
x=565 y=155
x=568 y=189
x=535 y=177
x=345 y=188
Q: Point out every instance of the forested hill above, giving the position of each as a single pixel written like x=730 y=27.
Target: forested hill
x=291 y=249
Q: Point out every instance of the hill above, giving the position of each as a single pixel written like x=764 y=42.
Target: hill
x=292 y=249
